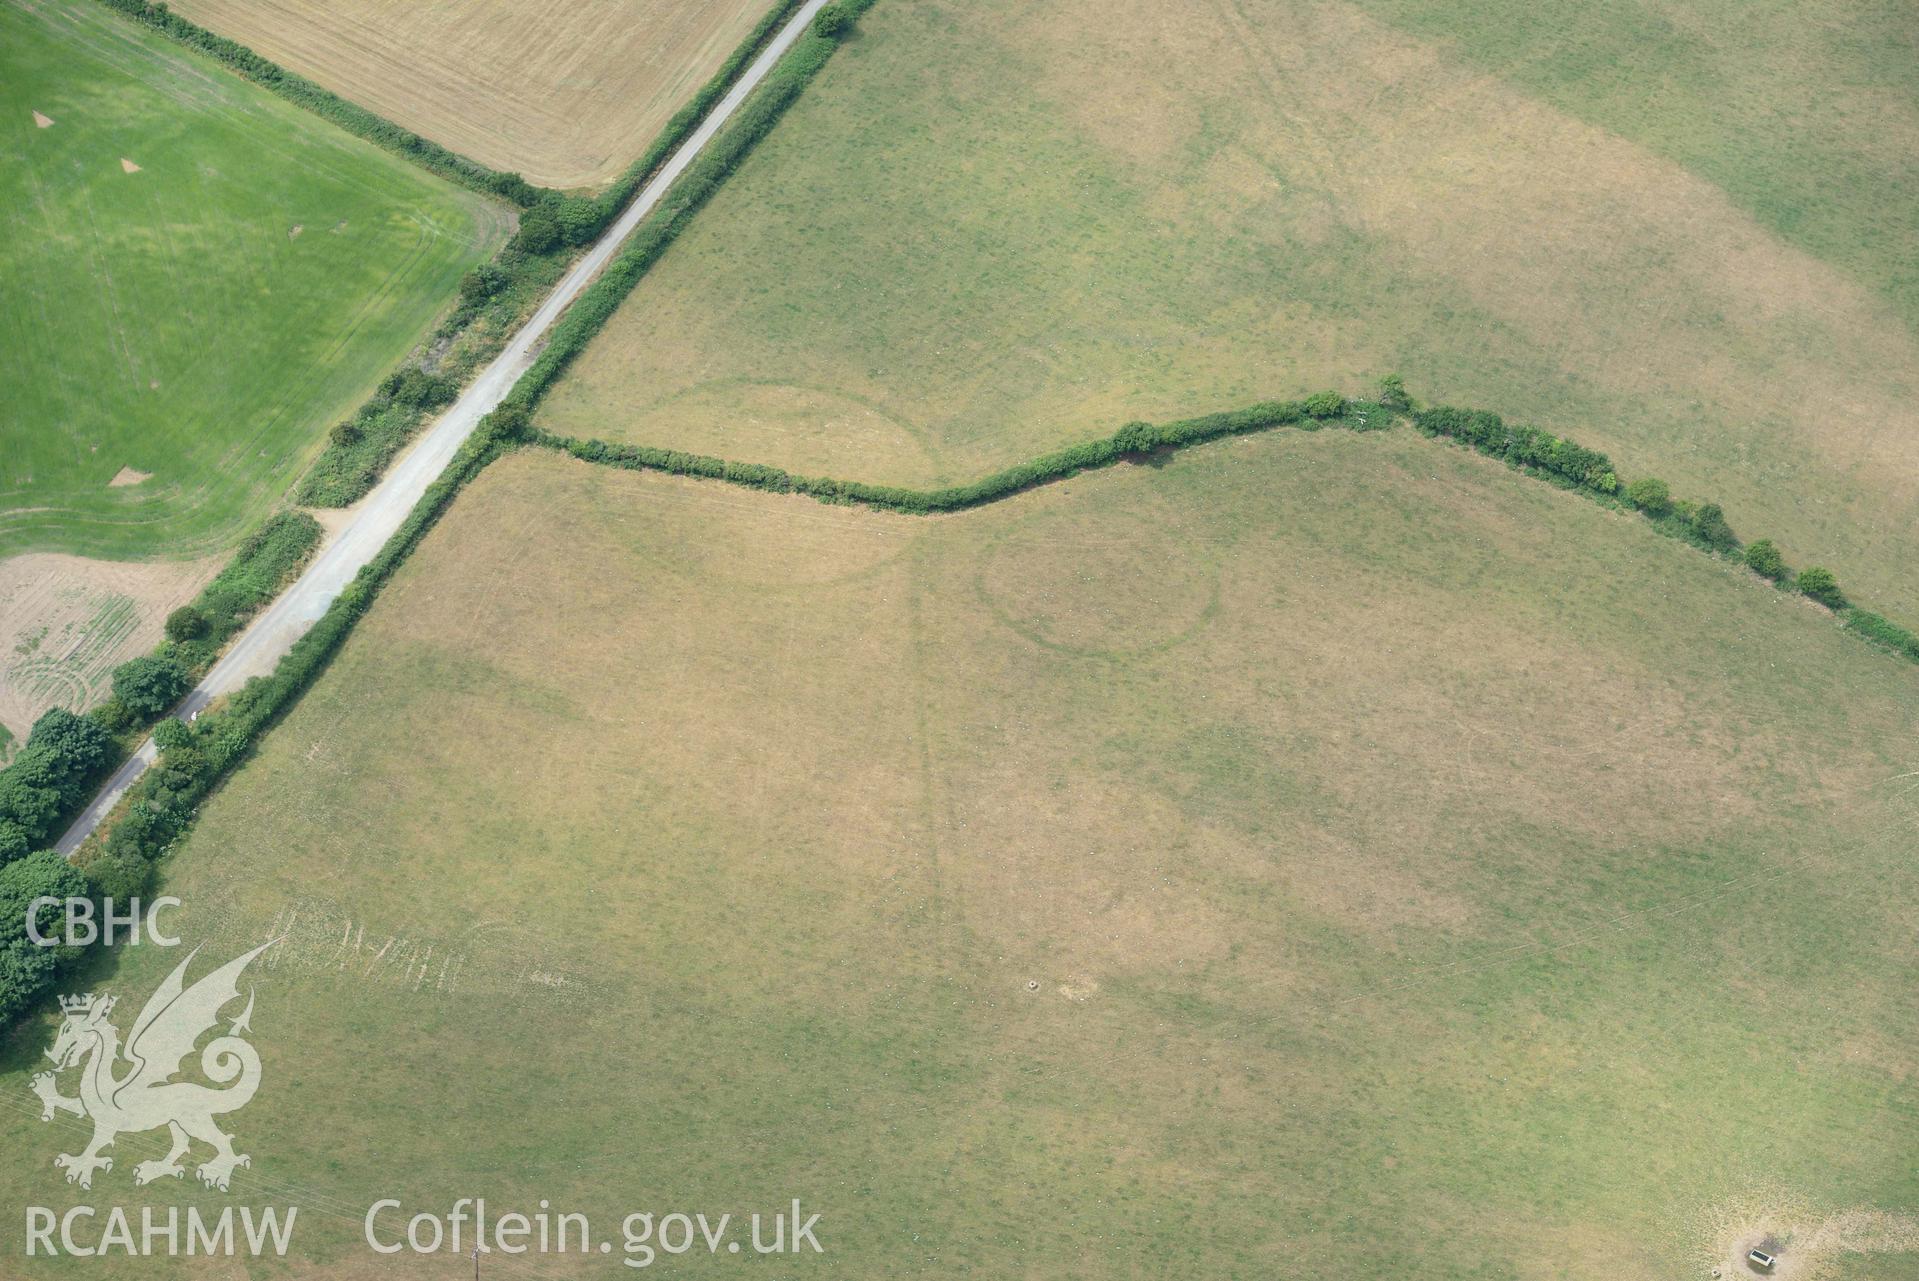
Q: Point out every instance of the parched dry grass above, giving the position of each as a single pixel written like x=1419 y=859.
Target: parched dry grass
x=1003 y=226
x=566 y=95
x=1327 y=839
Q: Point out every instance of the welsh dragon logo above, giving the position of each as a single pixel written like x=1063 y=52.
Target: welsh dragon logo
x=145 y=1096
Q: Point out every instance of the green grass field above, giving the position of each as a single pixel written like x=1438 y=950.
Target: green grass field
x=206 y=318
x=1321 y=855
x=993 y=227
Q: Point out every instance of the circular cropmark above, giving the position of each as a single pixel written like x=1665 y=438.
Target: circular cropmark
x=1127 y=578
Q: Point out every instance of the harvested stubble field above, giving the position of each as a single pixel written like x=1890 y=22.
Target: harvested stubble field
x=1317 y=856
x=994 y=226
x=198 y=279
x=566 y=95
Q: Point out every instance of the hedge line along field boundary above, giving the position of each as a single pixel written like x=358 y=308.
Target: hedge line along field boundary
x=52 y=779
x=1135 y=441
x=696 y=186
x=1561 y=462
x=322 y=102
x=194 y=758
x=504 y=290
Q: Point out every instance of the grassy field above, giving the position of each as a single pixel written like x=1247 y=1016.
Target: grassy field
x=564 y=95
x=991 y=227
x=1320 y=856
x=1807 y=117
x=199 y=278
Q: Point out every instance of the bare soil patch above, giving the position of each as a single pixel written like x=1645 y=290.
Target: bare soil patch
x=1808 y=1244
x=67 y=621
x=128 y=476
x=45 y=122
x=128 y=166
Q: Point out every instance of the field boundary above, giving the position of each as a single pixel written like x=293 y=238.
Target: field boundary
x=189 y=760
x=1560 y=462
x=553 y=224
x=348 y=115
x=194 y=759
x=696 y=186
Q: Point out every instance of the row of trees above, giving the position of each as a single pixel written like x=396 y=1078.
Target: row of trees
x=65 y=754
x=1703 y=524
x=1134 y=440
x=27 y=970
x=1706 y=525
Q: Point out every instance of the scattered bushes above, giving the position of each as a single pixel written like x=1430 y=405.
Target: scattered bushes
x=1763 y=558
x=186 y=623
x=1650 y=495
x=149 y=686
x=1522 y=446
x=1820 y=585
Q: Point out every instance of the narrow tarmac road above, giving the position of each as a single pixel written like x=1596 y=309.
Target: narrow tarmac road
x=260 y=647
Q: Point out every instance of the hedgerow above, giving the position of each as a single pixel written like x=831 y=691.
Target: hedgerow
x=194 y=757
x=1702 y=524
x=496 y=296
x=578 y=219
x=1526 y=447
x=65 y=756
x=161 y=804
x=350 y=116
x=1130 y=441
x=1883 y=631
x=695 y=187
